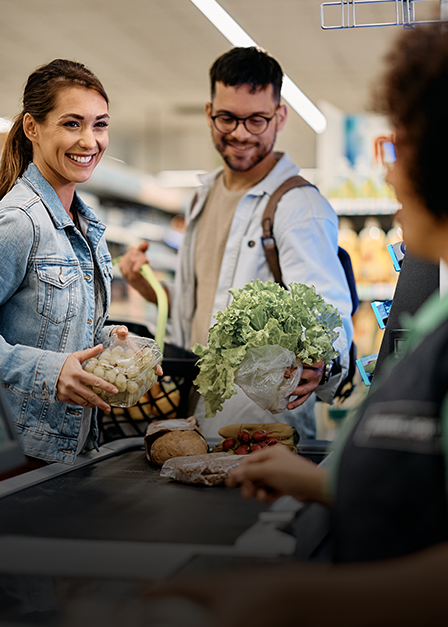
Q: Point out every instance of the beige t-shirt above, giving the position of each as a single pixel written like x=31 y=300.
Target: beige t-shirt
x=214 y=229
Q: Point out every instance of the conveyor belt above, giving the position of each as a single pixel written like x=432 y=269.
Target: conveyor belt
x=123 y=498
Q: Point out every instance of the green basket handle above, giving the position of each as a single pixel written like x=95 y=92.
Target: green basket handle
x=162 y=301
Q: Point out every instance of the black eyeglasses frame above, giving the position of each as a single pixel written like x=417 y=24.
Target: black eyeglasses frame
x=243 y=120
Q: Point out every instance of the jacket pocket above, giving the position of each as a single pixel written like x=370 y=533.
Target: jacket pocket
x=58 y=291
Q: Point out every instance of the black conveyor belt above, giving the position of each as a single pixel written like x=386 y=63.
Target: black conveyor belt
x=124 y=498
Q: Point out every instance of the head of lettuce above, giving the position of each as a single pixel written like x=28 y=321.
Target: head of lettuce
x=263 y=314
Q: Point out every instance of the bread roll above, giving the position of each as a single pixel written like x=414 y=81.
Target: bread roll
x=177 y=444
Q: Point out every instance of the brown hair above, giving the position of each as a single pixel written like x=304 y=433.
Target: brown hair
x=414 y=96
x=39 y=98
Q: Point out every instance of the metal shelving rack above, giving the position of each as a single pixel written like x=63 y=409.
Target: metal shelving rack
x=404 y=13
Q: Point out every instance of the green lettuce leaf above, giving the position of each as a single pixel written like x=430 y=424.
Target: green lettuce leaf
x=263 y=314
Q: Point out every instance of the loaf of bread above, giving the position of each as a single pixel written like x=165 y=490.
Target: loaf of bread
x=210 y=469
x=177 y=444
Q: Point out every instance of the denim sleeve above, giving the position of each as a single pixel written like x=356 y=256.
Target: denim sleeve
x=105 y=333
x=306 y=232
x=24 y=369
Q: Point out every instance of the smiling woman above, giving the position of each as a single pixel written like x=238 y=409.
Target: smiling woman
x=70 y=143
x=56 y=269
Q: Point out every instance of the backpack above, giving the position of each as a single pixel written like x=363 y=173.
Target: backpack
x=271 y=252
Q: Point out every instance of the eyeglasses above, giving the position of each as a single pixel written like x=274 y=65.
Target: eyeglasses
x=385 y=151
x=254 y=124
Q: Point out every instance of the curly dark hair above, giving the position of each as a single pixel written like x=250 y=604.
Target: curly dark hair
x=247 y=66
x=414 y=96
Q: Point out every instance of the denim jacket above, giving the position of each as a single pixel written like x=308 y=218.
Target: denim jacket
x=47 y=310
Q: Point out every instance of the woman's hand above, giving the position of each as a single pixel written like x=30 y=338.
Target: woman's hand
x=122 y=332
x=311 y=377
x=72 y=382
x=276 y=471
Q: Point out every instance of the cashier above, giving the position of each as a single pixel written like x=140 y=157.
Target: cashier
x=387 y=489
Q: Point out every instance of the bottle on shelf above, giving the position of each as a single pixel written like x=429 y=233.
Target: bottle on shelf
x=375 y=262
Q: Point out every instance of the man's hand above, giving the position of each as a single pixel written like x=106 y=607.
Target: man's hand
x=130 y=266
x=276 y=471
x=311 y=377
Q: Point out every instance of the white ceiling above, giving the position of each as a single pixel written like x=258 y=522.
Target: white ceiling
x=153 y=56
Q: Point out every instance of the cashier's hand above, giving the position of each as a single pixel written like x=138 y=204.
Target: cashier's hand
x=311 y=377
x=276 y=471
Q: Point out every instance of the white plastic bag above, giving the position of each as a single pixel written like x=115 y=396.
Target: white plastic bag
x=261 y=376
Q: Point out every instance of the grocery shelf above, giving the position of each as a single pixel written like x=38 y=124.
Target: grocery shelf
x=375 y=291
x=364 y=206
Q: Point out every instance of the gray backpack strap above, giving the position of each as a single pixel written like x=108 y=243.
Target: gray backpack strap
x=267 y=224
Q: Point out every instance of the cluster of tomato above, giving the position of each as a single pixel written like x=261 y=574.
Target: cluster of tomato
x=246 y=443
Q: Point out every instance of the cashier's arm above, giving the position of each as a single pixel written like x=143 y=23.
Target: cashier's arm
x=408 y=591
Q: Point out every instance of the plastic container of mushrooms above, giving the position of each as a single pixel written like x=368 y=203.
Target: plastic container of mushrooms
x=129 y=365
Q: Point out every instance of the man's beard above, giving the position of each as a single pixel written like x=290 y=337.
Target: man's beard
x=241 y=165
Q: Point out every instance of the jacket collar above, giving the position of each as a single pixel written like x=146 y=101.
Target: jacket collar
x=58 y=214
x=283 y=169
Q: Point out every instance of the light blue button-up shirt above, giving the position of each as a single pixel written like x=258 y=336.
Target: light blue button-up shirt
x=306 y=234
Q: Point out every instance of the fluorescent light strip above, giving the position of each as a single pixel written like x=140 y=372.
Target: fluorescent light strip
x=238 y=37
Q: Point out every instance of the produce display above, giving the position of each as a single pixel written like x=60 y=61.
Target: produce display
x=263 y=314
x=129 y=365
x=247 y=438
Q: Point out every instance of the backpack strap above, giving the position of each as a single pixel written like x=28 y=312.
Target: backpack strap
x=267 y=224
x=271 y=252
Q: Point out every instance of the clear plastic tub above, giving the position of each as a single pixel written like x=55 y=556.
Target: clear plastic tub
x=129 y=365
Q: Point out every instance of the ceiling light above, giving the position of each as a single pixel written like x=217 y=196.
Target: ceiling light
x=5 y=125
x=238 y=37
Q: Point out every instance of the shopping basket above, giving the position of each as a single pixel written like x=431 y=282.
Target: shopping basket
x=171 y=397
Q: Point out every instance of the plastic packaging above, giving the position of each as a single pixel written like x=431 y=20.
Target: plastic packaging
x=261 y=376
x=209 y=469
x=129 y=365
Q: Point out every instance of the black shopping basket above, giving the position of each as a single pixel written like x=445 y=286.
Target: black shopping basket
x=168 y=398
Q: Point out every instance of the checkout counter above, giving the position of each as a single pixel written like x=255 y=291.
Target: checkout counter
x=95 y=534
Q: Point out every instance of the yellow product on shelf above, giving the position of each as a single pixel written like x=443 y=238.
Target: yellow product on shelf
x=368 y=335
x=369 y=189
x=375 y=260
x=348 y=239
x=345 y=189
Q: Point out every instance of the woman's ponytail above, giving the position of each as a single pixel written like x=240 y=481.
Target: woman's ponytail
x=16 y=155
